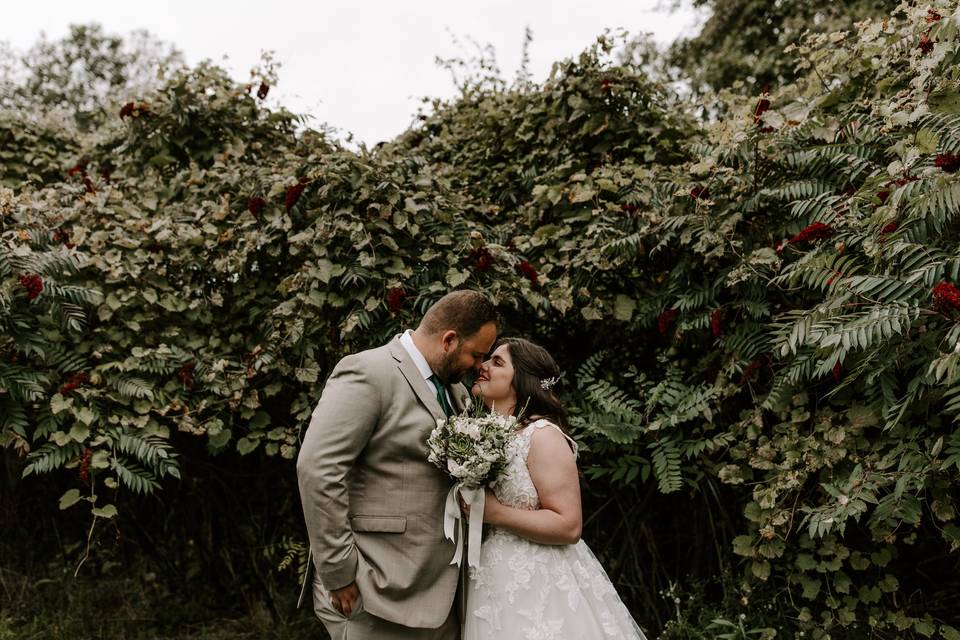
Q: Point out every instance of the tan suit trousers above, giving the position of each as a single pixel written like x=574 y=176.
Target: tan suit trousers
x=365 y=626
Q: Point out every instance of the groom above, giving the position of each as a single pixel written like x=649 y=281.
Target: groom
x=372 y=502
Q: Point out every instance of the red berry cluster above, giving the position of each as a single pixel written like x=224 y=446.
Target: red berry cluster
x=33 y=284
x=80 y=167
x=85 y=464
x=395 y=299
x=699 y=192
x=884 y=194
x=946 y=298
x=665 y=320
x=256 y=204
x=887 y=229
x=628 y=208
x=527 y=270
x=949 y=162
x=74 y=381
x=293 y=193
x=926 y=44
x=63 y=236
x=716 y=318
x=749 y=371
x=263 y=90
x=134 y=109
x=837 y=371
x=185 y=374
x=815 y=231
x=481 y=259
x=763 y=105
x=606 y=85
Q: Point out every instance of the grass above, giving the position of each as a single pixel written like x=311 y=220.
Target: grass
x=135 y=607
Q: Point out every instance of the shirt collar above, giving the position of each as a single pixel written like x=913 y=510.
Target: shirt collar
x=407 y=341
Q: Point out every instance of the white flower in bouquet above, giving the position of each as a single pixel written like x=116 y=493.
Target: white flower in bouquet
x=454 y=469
x=472 y=449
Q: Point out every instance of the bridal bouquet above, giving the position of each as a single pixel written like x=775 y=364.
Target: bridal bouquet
x=473 y=451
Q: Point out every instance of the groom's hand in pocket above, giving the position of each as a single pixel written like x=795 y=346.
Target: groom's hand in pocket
x=343 y=600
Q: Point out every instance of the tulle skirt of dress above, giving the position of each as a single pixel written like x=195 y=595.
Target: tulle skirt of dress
x=528 y=591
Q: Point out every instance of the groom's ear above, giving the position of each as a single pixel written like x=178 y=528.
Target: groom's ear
x=449 y=340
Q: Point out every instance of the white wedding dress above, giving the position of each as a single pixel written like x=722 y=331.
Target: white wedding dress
x=523 y=590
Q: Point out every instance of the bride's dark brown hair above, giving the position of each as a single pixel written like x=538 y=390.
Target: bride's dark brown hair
x=532 y=364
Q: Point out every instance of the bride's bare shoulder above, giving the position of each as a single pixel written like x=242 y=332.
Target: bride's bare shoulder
x=555 y=435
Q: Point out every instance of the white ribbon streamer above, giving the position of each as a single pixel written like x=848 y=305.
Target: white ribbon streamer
x=452 y=515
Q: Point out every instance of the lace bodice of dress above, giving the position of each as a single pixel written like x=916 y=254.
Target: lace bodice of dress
x=514 y=487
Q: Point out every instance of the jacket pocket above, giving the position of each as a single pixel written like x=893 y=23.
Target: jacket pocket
x=379 y=524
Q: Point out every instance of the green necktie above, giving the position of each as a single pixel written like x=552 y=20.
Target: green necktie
x=441 y=395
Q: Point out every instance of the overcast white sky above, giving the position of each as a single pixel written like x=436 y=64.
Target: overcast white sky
x=362 y=65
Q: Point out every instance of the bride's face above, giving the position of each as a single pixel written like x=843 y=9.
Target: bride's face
x=494 y=385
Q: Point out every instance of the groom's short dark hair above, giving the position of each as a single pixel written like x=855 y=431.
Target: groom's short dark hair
x=463 y=311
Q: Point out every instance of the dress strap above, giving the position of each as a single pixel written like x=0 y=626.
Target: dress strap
x=543 y=422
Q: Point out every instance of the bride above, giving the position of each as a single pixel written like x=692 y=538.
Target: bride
x=536 y=578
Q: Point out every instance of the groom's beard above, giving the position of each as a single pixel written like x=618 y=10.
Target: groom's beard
x=448 y=371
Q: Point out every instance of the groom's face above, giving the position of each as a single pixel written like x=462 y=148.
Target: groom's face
x=462 y=355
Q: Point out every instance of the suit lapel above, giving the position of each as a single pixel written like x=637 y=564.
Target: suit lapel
x=424 y=390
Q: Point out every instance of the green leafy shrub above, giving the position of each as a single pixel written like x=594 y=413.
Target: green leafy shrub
x=758 y=314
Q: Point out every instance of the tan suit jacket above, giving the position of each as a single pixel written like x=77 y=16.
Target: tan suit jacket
x=372 y=502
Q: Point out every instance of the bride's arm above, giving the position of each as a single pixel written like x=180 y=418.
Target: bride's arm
x=553 y=470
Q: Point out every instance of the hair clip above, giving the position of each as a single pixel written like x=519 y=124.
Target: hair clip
x=547 y=383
